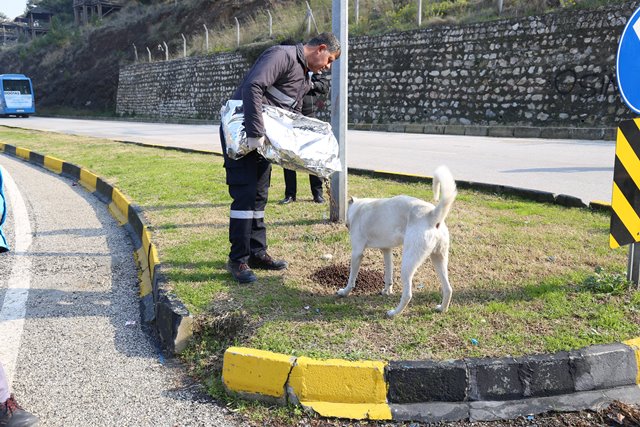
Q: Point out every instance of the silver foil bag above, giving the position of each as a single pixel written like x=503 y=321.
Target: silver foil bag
x=293 y=141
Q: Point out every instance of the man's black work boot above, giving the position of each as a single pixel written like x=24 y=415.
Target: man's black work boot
x=241 y=272
x=265 y=262
x=12 y=415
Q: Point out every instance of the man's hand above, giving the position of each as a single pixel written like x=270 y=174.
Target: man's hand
x=255 y=143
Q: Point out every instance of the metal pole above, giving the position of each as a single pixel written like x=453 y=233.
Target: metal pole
x=206 y=38
x=237 y=32
x=270 y=24
x=184 y=45
x=340 y=28
x=149 y=53
x=633 y=264
x=166 y=51
x=419 y=13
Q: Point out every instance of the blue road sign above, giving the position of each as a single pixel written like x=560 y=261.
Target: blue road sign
x=628 y=63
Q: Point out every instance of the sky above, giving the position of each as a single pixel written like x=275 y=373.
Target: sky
x=12 y=8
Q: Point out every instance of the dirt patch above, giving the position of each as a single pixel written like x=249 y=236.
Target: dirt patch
x=334 y=277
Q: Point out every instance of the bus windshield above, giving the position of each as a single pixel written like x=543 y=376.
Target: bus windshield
x=20 y=86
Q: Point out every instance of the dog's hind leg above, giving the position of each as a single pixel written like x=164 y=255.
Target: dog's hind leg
x=413 y=256
x=441 y=262
x=388 y=271
x=356 y=259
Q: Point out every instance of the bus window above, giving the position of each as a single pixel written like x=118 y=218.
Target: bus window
x=21 y=86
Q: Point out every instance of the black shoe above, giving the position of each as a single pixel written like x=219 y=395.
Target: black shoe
x=265 y=262
x=241 y=272
x=287 y=200
x=318 y=199
x=12 y=414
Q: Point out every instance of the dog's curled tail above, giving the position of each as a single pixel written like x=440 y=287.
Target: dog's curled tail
x=445 y=185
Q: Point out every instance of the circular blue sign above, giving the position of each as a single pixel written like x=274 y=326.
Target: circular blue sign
x=628 y=63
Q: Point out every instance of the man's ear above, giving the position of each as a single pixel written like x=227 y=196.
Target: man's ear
x=352 y=199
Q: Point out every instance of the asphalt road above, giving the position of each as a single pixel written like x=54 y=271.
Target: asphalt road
x=583 y=169
x=70 y=335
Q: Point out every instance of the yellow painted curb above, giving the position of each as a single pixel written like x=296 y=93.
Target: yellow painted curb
x=354 y=411
x=341 y=388
x=53 y=164
x=88 y=180
x=119 y=206
x=23 y=153
x=403 y=174
x=635 y=345
x=146 y=286
x=256 y=371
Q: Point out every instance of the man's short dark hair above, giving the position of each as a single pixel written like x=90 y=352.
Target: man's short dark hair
x=333 y=44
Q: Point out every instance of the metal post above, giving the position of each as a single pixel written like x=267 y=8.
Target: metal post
x=166 y=51
x=184 y=45
x=237 y=32
x=206 y=38
x=633 y=264
x=149 y=53
x=270 y=24
x=135 y=51
x=419 y=13
x=339 y=69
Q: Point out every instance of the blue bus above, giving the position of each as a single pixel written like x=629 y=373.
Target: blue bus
x=16 y=95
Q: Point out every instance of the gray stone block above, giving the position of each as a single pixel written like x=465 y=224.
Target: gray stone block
x=454 y=130
x=494 y=379
x=500 y=131
x=546 y=375
x=148 y=309
x=427 y=381
x=526 y=132
x=587 y=133
x=433 y=129
x=555 y=133
x=603 y=366
x=173 y=323
x=414 y=128
x=570 y=201
x=430 y=412
x=476 y=130
x=396 y=127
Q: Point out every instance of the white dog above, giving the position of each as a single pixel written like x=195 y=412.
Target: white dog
x=403 y=220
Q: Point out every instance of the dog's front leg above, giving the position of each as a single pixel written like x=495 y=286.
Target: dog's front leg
x=388 y=271
x=356 y=259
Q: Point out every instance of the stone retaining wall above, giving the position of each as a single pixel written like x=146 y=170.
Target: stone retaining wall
x=550 y=70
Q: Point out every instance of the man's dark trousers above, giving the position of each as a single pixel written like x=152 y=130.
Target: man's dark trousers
x=291 y=184
x=248 y=179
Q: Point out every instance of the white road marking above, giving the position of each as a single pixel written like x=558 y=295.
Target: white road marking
x=14 y=308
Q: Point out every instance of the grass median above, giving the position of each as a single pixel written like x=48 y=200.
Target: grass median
x=527 y=277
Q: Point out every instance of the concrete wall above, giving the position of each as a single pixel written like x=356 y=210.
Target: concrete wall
x=549 y=70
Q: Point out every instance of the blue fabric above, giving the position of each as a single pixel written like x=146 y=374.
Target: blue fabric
x=4 y=246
